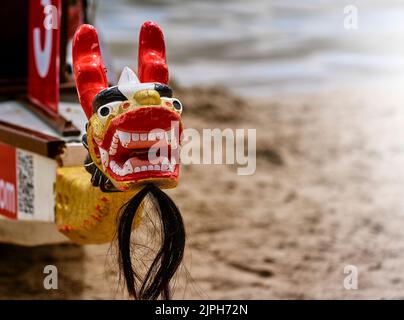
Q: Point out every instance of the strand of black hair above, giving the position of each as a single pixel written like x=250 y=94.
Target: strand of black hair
x=156 y=282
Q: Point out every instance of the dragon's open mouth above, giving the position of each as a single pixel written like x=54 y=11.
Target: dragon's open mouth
x=137 y=154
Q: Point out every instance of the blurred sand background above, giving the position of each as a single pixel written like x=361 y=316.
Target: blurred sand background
x=327 y=193
x=328 y=189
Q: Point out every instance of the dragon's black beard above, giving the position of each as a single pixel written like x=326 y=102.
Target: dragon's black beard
x=168 y=258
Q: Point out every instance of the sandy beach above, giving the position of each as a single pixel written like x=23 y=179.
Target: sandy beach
x=327 y=193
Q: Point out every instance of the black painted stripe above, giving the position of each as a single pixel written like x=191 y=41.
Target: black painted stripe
x=108 y=95
x=113 y=94
x=164 y=90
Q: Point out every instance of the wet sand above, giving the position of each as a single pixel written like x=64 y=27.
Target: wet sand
x=327 y=193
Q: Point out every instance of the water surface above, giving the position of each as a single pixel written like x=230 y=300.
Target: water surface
x=264 y=47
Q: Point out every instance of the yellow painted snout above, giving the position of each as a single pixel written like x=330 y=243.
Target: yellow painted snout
x=147 y=97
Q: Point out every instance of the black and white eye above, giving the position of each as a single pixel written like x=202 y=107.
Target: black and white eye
x=105 y=110
x=177 y=105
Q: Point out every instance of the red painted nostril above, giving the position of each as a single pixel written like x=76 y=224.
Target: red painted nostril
x=125 y=105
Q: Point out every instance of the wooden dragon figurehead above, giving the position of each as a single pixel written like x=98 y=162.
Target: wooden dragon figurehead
x=134 y=127
x=133 y=139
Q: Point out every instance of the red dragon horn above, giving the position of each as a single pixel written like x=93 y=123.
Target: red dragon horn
x=88 y=66
x=152 y=64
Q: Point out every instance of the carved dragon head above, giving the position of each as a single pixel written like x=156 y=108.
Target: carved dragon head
x=134 y=127
x=133 y=141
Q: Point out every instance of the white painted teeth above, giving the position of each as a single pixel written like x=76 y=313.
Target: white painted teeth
x=171 y=139
x=173 y=142
x=114 y=144
x=171 y=166
x=128 y=169
x=164 y=167
x=165 y=164
x=114 y=166
x=104 y=157
x=124 y=137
